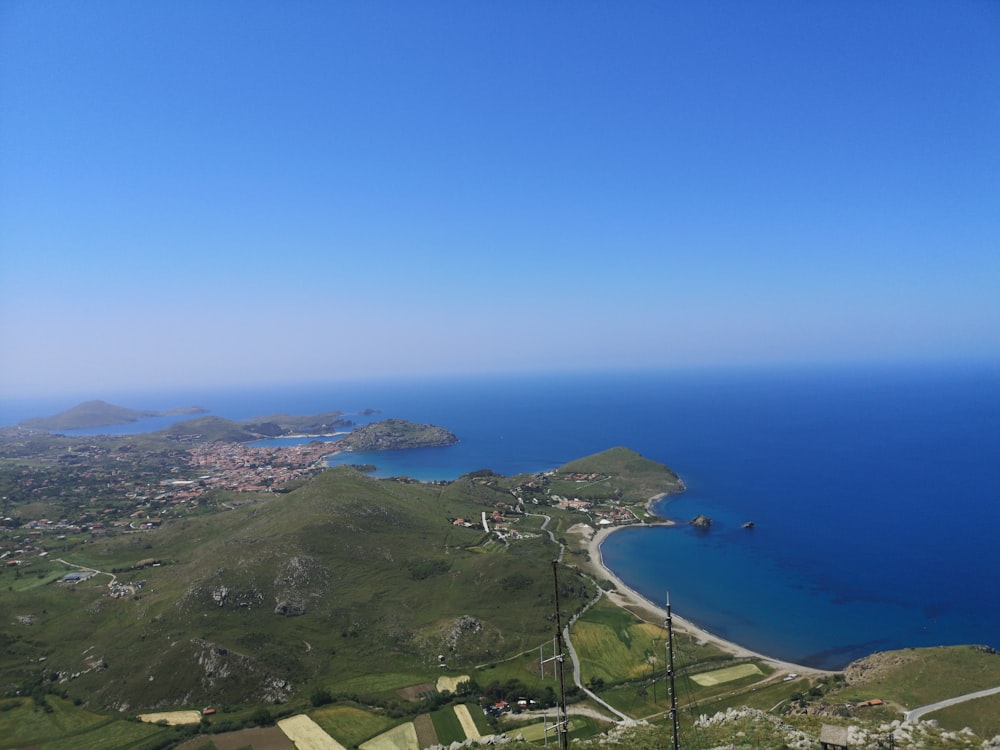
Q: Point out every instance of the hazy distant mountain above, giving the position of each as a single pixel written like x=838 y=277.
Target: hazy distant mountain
x=99 y=414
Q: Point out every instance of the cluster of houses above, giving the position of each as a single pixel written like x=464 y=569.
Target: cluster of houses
x=499 y=708
x=605 y=516
x=497 y=521
x=246 y=468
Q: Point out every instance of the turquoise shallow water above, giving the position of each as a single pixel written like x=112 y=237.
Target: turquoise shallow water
x=875 y=493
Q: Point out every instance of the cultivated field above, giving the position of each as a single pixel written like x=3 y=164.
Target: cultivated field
x=351 y=725
x=426 y=732
x=270 y=738
x=307 y=734
x=468 y=725
x=413 y=692
x=450 y=683
x=719 y=676
x=172 y=718
x=403 y=737
x=536 y=732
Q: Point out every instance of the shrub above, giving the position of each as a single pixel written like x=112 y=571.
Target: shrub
x=320 y=697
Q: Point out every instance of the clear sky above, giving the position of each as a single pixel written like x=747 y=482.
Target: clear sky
x=203 y=193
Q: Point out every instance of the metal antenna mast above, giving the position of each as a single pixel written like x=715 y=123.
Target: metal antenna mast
x=670 y=675
x=562 y=719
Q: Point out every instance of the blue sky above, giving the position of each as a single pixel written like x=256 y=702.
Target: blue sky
x=209 y=193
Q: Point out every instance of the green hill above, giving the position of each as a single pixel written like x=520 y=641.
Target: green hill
x=618 y=469
x=342 y=578
x=208 y=429
x=275 y=425
x=395 y=434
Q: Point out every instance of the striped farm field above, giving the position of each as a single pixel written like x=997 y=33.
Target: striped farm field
x=468 y=724
x=719 y=676
x=307 y=734
x=403 y=737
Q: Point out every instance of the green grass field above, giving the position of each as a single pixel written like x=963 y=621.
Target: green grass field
x=536 y=732
x=68 y=727
x=925 y=676
x=982 y=713
x=729 y=674
x=447 y=726
x=350 y=725
x=402 y=737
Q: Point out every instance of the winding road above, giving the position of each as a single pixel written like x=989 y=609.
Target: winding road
x=916 y=713
x=569 y=645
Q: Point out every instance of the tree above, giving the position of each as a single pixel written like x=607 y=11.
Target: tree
x=320 y=697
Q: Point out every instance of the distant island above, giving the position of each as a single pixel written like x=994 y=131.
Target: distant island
x=388 y=434
x=92 y=414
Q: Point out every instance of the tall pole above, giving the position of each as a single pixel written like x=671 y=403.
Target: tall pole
x=562 y=724
x=670 y=675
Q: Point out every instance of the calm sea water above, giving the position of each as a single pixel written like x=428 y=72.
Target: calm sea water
x=875 y=493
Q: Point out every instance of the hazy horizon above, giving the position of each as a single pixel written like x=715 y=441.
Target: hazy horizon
x=199 y=195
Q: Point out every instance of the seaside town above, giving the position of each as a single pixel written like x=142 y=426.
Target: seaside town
x=99 y=486
x=88 y=488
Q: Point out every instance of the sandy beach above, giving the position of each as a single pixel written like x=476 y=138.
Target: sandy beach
x=625 y=596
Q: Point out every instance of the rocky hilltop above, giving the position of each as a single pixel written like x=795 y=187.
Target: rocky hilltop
x=397 y=434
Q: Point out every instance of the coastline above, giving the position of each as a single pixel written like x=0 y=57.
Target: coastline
x=625 y=596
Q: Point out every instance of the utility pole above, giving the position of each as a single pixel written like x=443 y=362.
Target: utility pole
x=670 y=675
x=562 y=718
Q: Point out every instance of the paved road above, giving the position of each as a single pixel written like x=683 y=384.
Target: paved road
x=545 y=527
x=569 y=645
x=916 y=713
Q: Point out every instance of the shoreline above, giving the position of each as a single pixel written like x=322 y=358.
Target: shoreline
x=625 y=596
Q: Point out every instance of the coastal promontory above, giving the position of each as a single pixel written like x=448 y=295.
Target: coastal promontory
x=397 y=434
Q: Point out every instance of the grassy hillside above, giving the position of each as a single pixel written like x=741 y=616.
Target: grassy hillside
x=342 y=578
x=620 y=469
x=396 y=434
x=901 y=676
x=365 y=591
x=208 y=429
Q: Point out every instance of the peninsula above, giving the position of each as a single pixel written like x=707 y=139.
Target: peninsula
x=396 y=434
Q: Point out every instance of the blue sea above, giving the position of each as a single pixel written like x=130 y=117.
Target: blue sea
x=875 y=493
